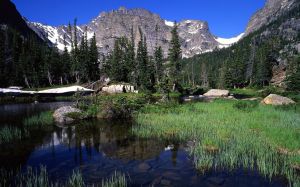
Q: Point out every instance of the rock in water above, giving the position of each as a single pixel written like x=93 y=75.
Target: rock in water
x=217 y=93
x=61 y=115
x=274 y=99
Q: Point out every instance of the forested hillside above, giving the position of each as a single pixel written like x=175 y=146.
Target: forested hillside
x=27 y=61
x=267 y=56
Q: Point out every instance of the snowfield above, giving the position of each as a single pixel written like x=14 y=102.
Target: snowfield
x=63 y=90
x=227 y=42
x=169 y=23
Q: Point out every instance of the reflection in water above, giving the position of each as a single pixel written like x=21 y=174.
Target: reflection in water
x=99 y=148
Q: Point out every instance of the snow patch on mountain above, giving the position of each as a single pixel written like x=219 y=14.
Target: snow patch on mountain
x=169 y=23
x=227 y=42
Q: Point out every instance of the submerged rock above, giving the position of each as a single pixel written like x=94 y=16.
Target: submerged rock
x=217 y=93
x=143 y=167
x=216 y=180
x=274 y=99
x=61 y=115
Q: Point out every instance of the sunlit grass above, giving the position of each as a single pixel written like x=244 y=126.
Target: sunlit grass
x=44 y=118
x=230 y=136
x=116 y=180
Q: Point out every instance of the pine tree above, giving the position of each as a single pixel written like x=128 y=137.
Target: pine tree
x=142 y=67
x=83 y=59
x=76 y=66
x=3 y=73
x=294 y=79
x=158 y=55
x=115 y=64
x=24 y=67
x=130 y=60
x=175 y=56
x=263 y=72
x=93 y=68
x=66 y=62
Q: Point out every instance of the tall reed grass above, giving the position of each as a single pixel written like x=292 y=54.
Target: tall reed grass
x=42 y=119
x=230 y=135
x=40 y=178
x=9 y=134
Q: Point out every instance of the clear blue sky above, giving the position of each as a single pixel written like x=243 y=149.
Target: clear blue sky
x=226 y=18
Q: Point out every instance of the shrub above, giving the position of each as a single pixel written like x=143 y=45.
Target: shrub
x=270 y=90
x=76 y=115
x=120 y=108
x=245 y=105
x=198 y=91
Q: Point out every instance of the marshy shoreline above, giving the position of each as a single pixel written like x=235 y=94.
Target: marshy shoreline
x=221 y=134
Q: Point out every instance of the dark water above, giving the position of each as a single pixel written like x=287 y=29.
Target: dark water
x=99 y=148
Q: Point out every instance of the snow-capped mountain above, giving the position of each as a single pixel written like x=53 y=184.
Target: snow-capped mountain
x=195 y=35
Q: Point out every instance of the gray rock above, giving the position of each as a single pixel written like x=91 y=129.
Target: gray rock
x=60 y=115
x=119 y=88
x=274 y=99
x=195 y=35
x=143 y=167
x=217 y=93
x=271 y=10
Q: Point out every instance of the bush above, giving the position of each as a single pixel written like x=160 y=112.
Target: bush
x=245 y=105
x=76 y=115
x=120 y=107
x=270 y=90
x=198 y=91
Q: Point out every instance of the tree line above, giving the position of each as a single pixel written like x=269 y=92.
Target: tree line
x=130 y=64
x=31 y=63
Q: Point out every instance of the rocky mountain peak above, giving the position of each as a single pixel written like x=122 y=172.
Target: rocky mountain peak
x=195 y=35
x=271 y=10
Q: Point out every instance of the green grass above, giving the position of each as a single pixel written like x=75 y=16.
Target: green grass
x=260 y=92
x=42 y=119
x=230 y=134
x=249 y=92
x=40 y=178
x=10 y=134
x=116 y=180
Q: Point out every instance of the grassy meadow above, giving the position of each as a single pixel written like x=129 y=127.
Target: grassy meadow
x=230 y=134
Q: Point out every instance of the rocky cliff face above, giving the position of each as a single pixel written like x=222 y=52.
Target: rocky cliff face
x=269 y=13
x=195 y=35
x=287 y=30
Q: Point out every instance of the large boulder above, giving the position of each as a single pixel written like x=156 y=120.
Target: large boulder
x=119 y=88
x=61 y=115
x=274 y=99
x=217 y=93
